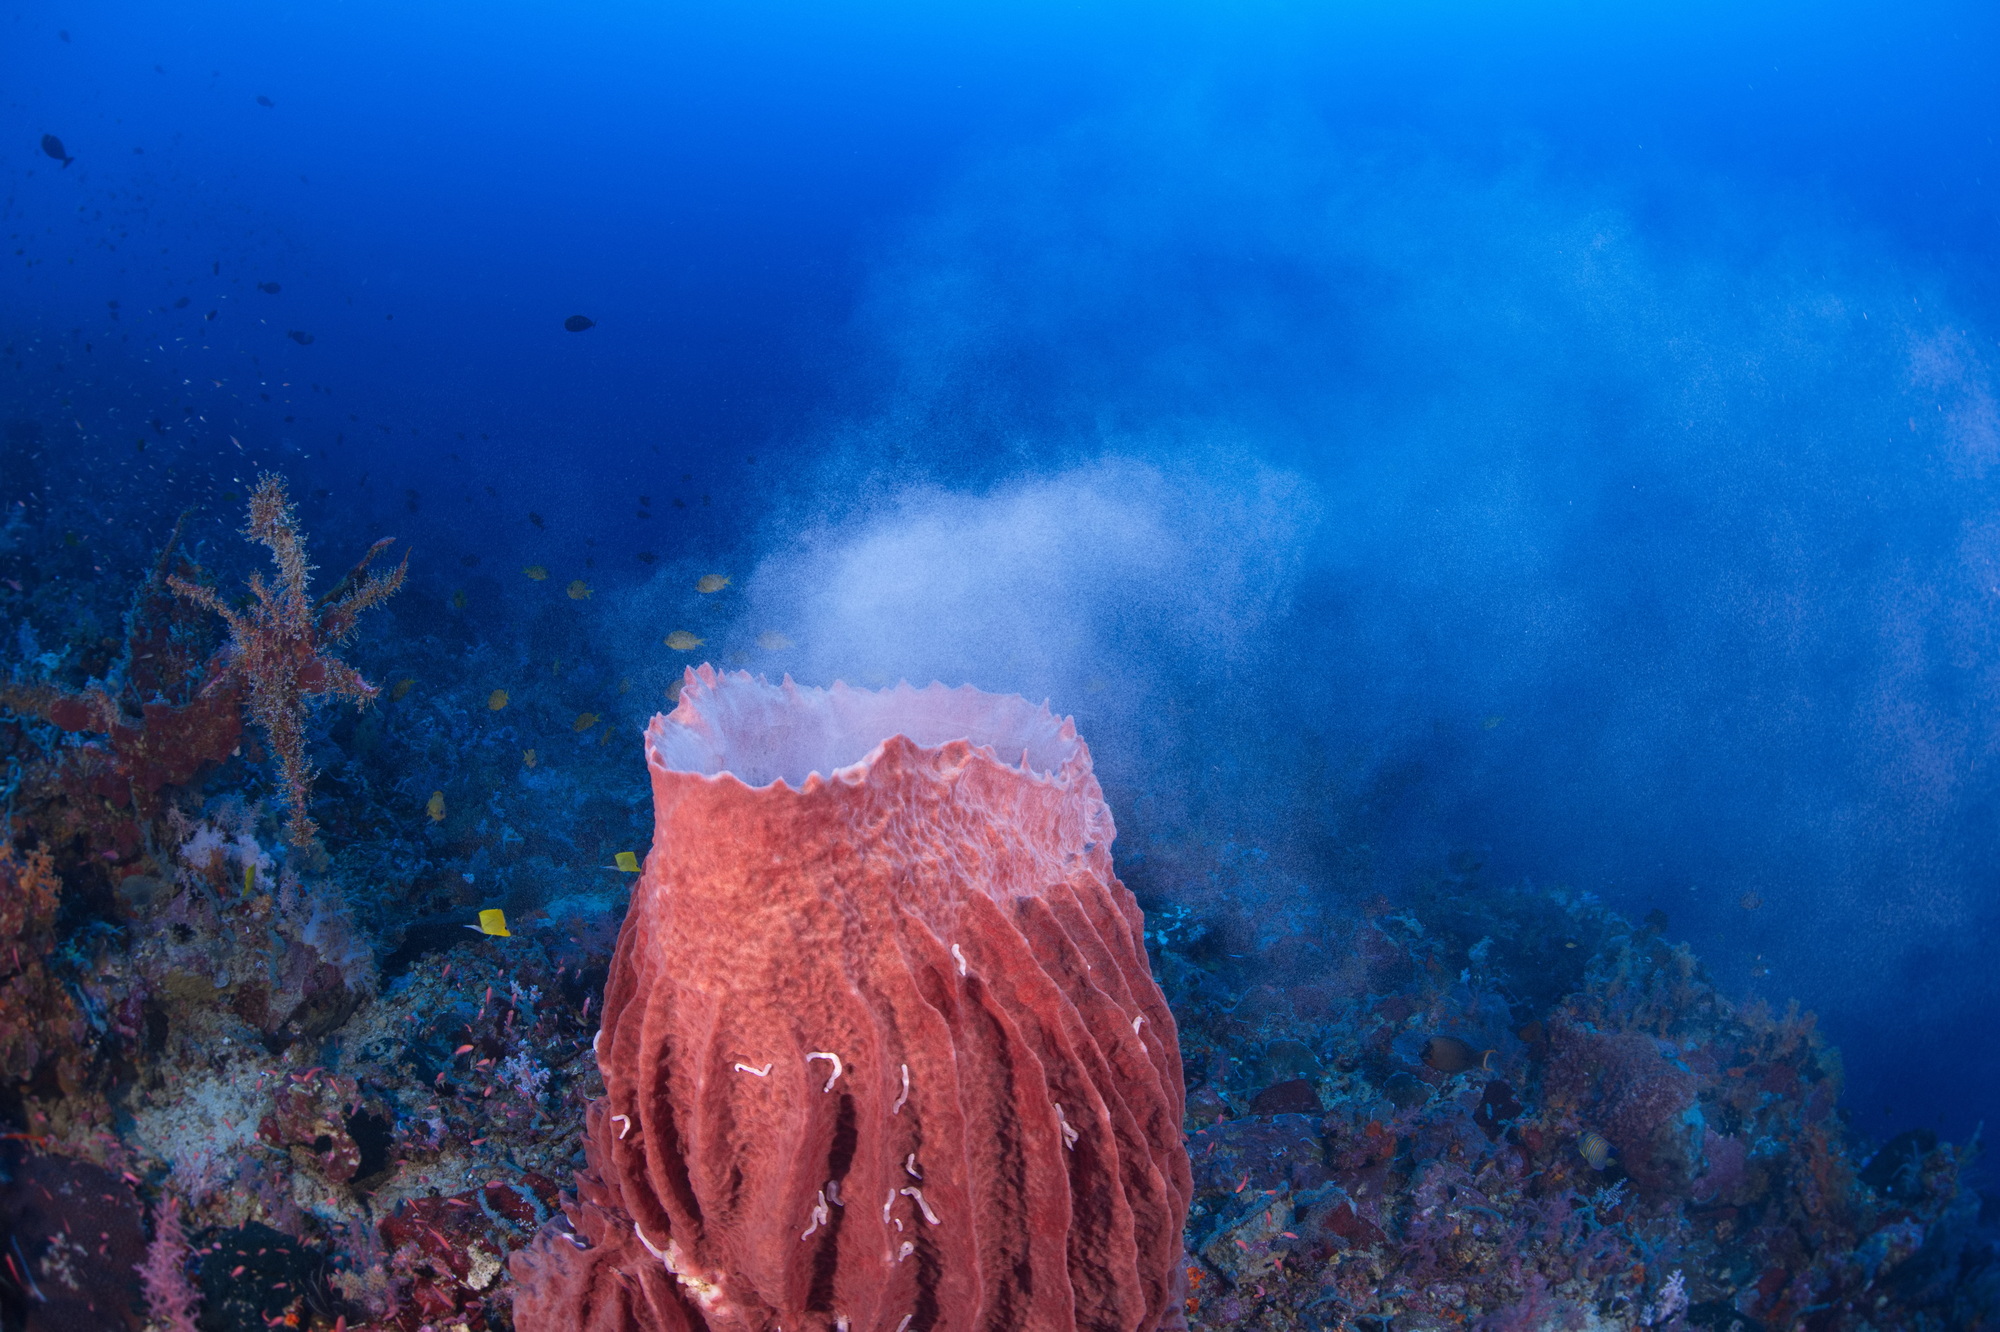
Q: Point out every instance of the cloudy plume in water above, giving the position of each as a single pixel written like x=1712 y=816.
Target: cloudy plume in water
x=1376 y=514
x=1121 y=589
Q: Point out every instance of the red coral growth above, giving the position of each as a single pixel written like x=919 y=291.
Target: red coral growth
x=881 y=1047
x=280 y=650
x=446 y=1253
x=38 y=1020
x=166 y=714
x=113 y=788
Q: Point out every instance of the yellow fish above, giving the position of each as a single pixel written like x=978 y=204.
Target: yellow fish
x=435 y=807
x=578 y=589
x=536 y=572
x=402 y=687
x=527 y=758
x=493 y=921
x=585 y=720
x=625 y=685
x=680 y=640
x=711 y=582
x=772 y=641
x=627 y=861
x=1594 y=1150
x=249 y=879
x=497 y=700
x=458 y=598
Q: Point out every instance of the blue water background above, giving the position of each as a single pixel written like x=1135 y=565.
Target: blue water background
x=1560 y=437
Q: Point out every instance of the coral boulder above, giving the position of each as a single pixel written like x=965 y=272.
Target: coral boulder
x=881 y=1047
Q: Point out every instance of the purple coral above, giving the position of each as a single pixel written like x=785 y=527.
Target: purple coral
x=1622 y=1084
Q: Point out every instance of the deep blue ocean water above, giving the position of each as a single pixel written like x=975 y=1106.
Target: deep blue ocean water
x=1561 y=439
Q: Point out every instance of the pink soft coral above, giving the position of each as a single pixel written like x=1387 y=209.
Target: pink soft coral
x=171 y=1299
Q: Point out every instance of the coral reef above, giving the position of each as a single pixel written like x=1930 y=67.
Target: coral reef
x=280 y=651
x=1727 y=1192
x=880 y=1043
x=345 y=1105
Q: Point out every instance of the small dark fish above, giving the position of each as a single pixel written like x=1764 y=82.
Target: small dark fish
x=300 y=336
x=575 y=323
x=647 y=557
x=53 y=147
x=264 y=101
x=1448 y=1054
x=181 y=304
x=269 y=288
x=536 y=519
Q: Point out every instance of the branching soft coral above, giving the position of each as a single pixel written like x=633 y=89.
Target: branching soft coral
x=280 y=646
x=171 y=1298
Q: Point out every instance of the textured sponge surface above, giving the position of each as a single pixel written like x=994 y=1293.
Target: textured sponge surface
x=881 y=1048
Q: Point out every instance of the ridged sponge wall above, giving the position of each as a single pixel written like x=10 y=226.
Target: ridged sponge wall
x=881 y=1048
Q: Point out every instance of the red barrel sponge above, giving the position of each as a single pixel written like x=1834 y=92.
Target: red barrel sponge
x=881 y=1048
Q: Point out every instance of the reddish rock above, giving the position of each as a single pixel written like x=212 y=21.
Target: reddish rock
x=310 y=1112
x=73 y=1235
x=446 y=1252
x=881 y=1047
